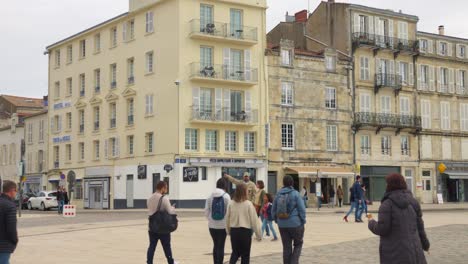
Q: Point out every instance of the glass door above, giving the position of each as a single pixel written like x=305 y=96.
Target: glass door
x=236 y=64
x=236 y=23
x=236 y=106
x=206 y=62
x=206 y=103
x=206 y=19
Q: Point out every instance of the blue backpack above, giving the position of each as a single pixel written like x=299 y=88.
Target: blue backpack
x=218 y=209
x=282 y=211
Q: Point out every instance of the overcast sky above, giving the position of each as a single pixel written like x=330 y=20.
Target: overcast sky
x=28 y=26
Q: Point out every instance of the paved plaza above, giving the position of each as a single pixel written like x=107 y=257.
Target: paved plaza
x=120 y=238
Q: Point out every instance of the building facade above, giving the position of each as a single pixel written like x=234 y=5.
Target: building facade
x=11 y=138
x=21 y=106
x=310 y=120
x=171 y=90
x=35 y=157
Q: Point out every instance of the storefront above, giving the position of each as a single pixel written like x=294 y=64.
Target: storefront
x=33 y=184
x=96 y=186
x=374 y=179
x=454 y=182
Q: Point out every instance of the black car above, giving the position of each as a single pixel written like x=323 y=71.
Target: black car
x=24 y=200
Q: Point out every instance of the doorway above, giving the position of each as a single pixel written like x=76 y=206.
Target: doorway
x=95 y=197
x=130 y=202
x=156 y=179
x=272 y=182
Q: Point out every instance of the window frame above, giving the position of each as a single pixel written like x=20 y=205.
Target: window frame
x=249 y=141
x=231 y=139
x=191 y=139
x=287 y=93
x=288 y=137
x=386 y=145
x=332 y=137
x=209 y=140
x=330 y=98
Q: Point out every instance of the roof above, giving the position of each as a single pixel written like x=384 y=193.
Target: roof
x=383 y=11
x=24 y=101
x=440 y=36
x=35 y=114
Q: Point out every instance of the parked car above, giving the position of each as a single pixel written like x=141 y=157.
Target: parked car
x=44 y=201
x=24 y=200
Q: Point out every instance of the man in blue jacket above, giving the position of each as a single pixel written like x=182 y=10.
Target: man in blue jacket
x=8 y=232
x=358 y=198
x=290 y=215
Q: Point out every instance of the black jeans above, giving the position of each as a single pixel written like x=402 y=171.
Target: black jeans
x=340 y=200
x=166 y=243
x=289 y=237
x=219 y=240
x=241 y=241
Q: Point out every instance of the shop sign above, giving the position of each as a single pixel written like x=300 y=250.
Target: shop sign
x=63 y=139
x=442 y=168
x=62 y=105
x=190 y=174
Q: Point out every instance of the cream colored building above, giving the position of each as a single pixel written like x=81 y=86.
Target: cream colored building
x=177 y=85
x=10 y=149
x=35 y=157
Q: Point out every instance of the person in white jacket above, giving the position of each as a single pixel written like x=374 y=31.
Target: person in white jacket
x=241 y=221
x=215 y=211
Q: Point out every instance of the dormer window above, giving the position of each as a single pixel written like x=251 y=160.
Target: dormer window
x=286 y=57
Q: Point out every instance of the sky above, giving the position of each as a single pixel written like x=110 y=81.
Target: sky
x=28 y=26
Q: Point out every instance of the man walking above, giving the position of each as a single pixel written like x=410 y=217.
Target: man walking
x=251 y=186
x=358 y=197
x=289 y=213
x=8 y=232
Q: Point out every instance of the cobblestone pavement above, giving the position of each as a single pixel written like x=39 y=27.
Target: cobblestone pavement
x=449 y=244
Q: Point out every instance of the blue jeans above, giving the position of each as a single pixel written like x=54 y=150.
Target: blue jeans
x=359 y=209
x=5 y=258
x=60 y=206
x=267 y=228
x=305 y=201
x=166 y=243
x=265 y=224
x=353 y=206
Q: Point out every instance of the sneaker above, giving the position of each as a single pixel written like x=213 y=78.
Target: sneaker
x=274 y=239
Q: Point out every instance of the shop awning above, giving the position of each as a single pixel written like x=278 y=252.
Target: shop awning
x=457 y=175
x=54 y=178
x=323 y=172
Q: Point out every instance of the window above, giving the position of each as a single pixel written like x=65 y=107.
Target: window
x=82 y=84
x=83 y=49
x=81 y=120
x=113 y=35
x=206 y=17
x=206 y=60
x=68 y=150
x=131 y=70
x=30 y=133
x=56 y=157
x=386 y=145
x=464 y=117
x=57 y=58
x=40 y=160
x=82 y=150
x=330 y=63
x=128 y=31
x=462 y=81
x=446 y=148
x=385 y=105
x=287 y=93
x=96 y=149
x=424 y=77
x=403 y=31
x=236 y=25
x=113 y=115
x=231 y=141
x=426 y=114
x=130 y=112
x=130 y=145
x=249 y=142
x=149 y=62
x=330 y=98
x=423 y=45
x=69 y=120
x=97 y=80
x=113 y=75
x=97 y=43
x=57 y=90
x=69 y=54
x=365 y=145
x=149 y=142
x=426 y=147
x=191 y=139
x=403 y=70
x=365 y=102
x=96 y=118
x=464 y=149
x=445 y=115
x=405 y=109
x=286 y=57
x=332 y=138
x=41 y=130
x=114 y=147
x=149 y=98
x=69 y=86
x=58 y=123
x=443 y=48
x=443 y=80
x=211 y=140
x=78 y=190
x=364 y=69
x=405 y=146
x=363 y=24
x=149 y=22
x=287 y=136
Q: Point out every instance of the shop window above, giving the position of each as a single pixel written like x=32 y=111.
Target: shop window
x=166 y=179
x=204 y=173
x=78 y=190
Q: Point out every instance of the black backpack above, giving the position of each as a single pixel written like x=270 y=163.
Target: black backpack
x=162 y=222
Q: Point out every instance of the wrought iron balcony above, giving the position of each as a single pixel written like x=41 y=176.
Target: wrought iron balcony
x=224 y=115
x=218 y=72
x=385 y=42
x=388 y=80
x=223 y=31
x=387 y=121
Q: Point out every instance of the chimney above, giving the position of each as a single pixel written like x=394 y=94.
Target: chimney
x=301 y=16
x=441 y=30
x=331 y=1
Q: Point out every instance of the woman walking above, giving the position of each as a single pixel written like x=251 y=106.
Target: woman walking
x=400 y=226
x=340 y=194
x=260 y=195
x=241 y=220
x=267 y=217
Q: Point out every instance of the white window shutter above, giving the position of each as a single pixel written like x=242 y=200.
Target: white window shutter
x=218 y=102
x=117 y=147
x=451 y=81
x=438 y=47
x=431 y=78
x=419 y=73
x=371 y=26
x=430 y=46
x=227 y=104
x=390 y=31
x=397 y=68
x=464 y=149
x=248 y=104
x=59 y=125
x=439 y=77
x=196 y=98
x=356 y=23
x=247 y=62
x=226 y=63
x=392 y=67
x=411 y=74
x=449 y=49
x=361 y=67
x=124 y=31
x=457 y=50
x=458 y=81
x=377 y=66
x=106 y=148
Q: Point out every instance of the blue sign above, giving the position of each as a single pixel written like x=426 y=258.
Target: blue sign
x=181 y=161
x=57 y=140
x=62 y=105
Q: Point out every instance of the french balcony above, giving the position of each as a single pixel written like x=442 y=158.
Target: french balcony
x=131 y=80
x=383 y=80
x=225 y=116
x=82 y=93
x=130 y=120
x=226 y=74
x=113 y=123
x=223 y=32
x=113 y=85
x=96 y=126
x=377 y=42
x=56 y=165
x=81 y=128
x=380 y=121
x=97 y=89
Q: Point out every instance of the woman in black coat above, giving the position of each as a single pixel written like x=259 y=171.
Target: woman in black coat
x=400 y=226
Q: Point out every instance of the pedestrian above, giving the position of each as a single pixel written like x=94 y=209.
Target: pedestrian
x=215 y=211
x=357 y=189
x=400 y=227
x=60 y=200
x=251 y=186
x=364 y=199
x=267 y=217
x=304 y=195
x=260 y=195
x=289 y=213
x=152 y=204
x=241 y=221
x=340 y=194
x=8 y=231
x=331 y=194
x=66 y=199
x=354 y=204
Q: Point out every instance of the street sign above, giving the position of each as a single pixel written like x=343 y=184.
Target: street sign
x=69 y=210
x=442 y=168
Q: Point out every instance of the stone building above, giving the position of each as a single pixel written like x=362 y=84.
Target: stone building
x=21 y=106
x=309 y=119
x=11 y=138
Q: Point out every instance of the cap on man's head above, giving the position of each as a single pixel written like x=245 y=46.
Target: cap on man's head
x=246 y=174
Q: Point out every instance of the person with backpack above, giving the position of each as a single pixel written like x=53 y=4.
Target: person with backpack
x=215 y=211
x=289 y=213
x=267 y=217
x=241 y=221
x=159 y=202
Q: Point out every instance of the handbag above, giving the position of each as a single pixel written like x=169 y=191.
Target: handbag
x=162 y=222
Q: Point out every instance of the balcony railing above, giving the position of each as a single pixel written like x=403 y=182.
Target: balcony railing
x=388 y=120
x=56 y=164
x=224 y=72
x=130 y=120
x=381 y=41
x=224 y=30
x=225 y=115
x=113 y=123
x=388 y=80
